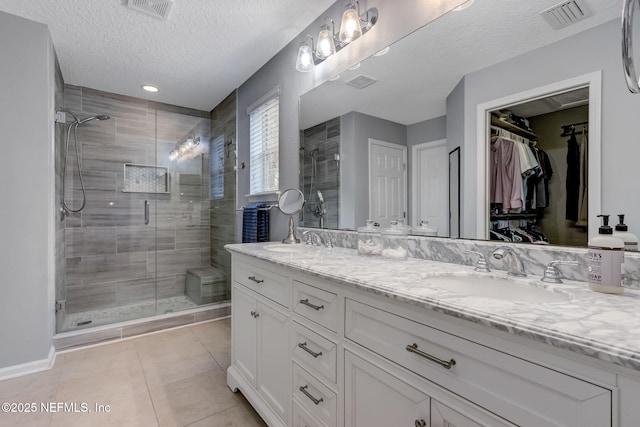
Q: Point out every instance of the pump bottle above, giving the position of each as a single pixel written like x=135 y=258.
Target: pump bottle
x=605 y=257
x=622 y=232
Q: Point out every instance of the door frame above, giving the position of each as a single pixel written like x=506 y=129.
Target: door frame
x=414 y=177
x=483 y=125
x=372 y=142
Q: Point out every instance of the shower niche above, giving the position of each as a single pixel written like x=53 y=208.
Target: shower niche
x=145 y=224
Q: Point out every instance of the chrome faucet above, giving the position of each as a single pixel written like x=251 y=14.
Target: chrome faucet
x=552 y=274
x=481 y=264
x=516 y=266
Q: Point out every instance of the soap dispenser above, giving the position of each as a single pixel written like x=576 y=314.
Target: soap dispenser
x=621 y=231
x=605 y=257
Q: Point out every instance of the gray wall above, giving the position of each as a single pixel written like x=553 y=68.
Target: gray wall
x=357 y=129
x=396 y=21
x=455 y=138
x=589 y=51
x=27 y=185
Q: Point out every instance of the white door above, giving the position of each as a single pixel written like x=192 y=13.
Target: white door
x=387 y=181
x=430 y=183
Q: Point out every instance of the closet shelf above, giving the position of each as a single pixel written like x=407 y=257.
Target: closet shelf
x=513 y=216
x=496 y=121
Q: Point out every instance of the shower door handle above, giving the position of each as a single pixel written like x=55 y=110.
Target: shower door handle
x=627 y=49
x=146 y=212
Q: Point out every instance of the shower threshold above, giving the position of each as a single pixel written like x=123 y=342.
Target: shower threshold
x=115 y=325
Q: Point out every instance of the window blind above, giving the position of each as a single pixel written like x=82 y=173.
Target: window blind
x=264 y=139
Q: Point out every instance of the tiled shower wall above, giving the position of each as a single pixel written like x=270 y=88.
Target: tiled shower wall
x=325 y=138
x=109 y=252
x=223 y=200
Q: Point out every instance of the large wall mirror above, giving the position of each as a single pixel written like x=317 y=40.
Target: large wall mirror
x=375 y=140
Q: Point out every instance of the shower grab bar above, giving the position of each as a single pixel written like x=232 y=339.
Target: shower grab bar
x=146 y=212
x=627 y=49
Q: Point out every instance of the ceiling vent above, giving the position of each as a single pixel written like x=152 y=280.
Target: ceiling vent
x=157 y=8
x=566 y=13
x=361 y=81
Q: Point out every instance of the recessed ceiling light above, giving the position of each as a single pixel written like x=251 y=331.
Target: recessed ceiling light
x=382 y=52
x=150 y=88
x=355 y=67
x=463 y=6
x=334 y=78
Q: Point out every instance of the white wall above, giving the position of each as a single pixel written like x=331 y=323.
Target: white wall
x=396 y=19
x=27 y=191
x=589 y=51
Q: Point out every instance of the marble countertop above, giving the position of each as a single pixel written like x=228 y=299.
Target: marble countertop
x=602 y=326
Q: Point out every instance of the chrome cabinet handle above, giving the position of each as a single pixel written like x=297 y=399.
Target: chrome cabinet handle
x=413 y=348
x=627 y=49
x=420 y=423
x=308 y=304
x=253 y=279
x=303 y=389
x=146 y=212
x=303 y=345
x=255 y=314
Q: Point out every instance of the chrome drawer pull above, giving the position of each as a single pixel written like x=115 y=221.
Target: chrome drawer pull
x=420 y=423
x=413 y=348
x=303 y=345
x=253 y=279
x=303 y=389
x=308 y=304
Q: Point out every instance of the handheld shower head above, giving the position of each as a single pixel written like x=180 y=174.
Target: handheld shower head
x=88 y=119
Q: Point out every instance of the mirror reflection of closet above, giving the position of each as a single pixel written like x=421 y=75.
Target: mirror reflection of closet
x=539 y=170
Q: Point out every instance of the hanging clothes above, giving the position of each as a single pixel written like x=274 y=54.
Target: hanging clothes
x=583 y=189
x=505 y=175
x=573 y=178
x=542 y=186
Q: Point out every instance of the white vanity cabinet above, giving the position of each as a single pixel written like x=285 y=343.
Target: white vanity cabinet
x=320 y=353
x=260 y=336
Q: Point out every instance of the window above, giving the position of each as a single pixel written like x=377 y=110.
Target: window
x=264 y=138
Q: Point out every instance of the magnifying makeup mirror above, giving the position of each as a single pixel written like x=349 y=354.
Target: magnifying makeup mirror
x=291 y=202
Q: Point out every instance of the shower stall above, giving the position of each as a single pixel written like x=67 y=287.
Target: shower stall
x=133 y=187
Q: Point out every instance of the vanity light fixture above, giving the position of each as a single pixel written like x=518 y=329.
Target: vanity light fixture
x=149 y=88
x=184 y=147
x=353 y=26
x=305 y=61
x=326 y=41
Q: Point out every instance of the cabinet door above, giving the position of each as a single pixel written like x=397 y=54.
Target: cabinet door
x=443 y=416
x=373 y=397
x=274 y=378
x=243 y=307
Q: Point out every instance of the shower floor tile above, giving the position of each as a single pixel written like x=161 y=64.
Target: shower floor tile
x=106 y=316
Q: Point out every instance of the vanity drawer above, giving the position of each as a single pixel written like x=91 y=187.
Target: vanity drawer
x=522 y=392
x=316 y=353
x=302 y=418
x=274 y=286
x=315 y=397
x=316 y=304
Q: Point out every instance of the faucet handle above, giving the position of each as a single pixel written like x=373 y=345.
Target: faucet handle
x=481 y=264
x=552 y=273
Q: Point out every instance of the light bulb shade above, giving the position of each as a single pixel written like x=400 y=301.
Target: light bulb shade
x=350 y=29
x=304 y=61
x=325 y=46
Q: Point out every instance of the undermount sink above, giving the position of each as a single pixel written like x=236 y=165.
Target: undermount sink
x=290 y=248
x=496 y=287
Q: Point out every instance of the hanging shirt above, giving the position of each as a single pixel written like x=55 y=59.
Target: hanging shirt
x=505 y=174
x=573 y=178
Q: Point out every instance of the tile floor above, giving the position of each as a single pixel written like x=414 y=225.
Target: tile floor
x=172 y=378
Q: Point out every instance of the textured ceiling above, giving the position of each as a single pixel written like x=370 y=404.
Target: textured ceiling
x=416 y=76
x=205 y=50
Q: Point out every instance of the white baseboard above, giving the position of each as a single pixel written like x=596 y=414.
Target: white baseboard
x=29 y=367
